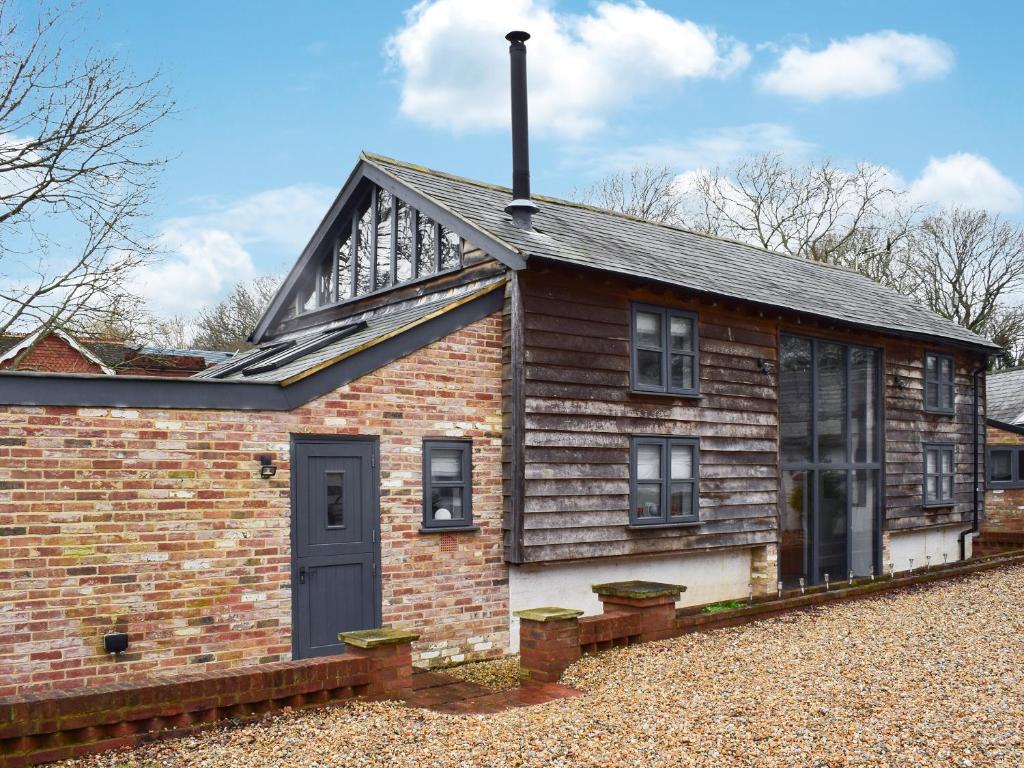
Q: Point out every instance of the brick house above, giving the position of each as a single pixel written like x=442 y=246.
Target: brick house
x=1004 y=497
x=459 y=406
x=57 y=351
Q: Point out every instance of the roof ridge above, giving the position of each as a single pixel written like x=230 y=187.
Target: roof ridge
x=373 y=156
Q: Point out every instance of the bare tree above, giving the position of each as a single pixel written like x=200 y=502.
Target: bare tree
x=227 y=325
x=1006 y=328
x=815 y=211
x=968 y=262
x=75 y=181
x=646 y=191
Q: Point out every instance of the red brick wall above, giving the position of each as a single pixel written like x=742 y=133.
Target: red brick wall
x=1004 y=507
x=54 y=354
x=157 y=523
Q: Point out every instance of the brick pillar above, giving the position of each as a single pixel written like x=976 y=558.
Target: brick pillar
x=389 y=652
x=654 y=601
x=549 y=641
x=764 y=570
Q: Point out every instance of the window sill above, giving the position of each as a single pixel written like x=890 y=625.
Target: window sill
x=661 y=526
x=450 y=529
x=940 y=411
x=938 y=504
x=673 y=395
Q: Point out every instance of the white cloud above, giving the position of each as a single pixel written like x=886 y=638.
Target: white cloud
x=868 y=65
x=207 y=253
x=582 y=68
x=704 y=150
x=967 y=180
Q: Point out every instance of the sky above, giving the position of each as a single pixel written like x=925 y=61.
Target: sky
x=276 y=100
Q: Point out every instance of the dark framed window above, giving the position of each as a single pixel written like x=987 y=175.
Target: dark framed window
x=939 y=390
x=447 y=484
x=939 y=474
x=664 y=350
x=663 y=480
x=1006 y=467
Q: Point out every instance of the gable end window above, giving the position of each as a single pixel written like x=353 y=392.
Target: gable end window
x=939 y=474
x=1006 y=467
x=663 y=480
x=664 y=350
x=447 y=485
x=939 y=390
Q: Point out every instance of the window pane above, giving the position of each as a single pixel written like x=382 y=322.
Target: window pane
x=1000 y=469
x=648 y=500
x=864 y=403
x=831 y=396
x=384 y=202
x=682 y=500
x=947 y=462
x=682 y=372
x=335 y=499
x=930 y=366
x=425 y=247
x=931 y=461
x=363 y=255
x=648 y=364
x=446 y=503
x=682 y=462
x=831 y=527
x=947 y=396
x=945 y=369
x=1020 y=465
x=947 y=488
x=451 y=249
x=863 y=520
x=648 y=462
x=648 y=329
x=930 y=486
x=446 y=464
x=681 y=329
x=795 y=398
x=345 y=266
x=931 y=394
x=404 y=254
x=325 y=279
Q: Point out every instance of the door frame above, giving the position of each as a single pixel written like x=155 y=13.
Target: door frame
x=374 y=443
x=815 y=468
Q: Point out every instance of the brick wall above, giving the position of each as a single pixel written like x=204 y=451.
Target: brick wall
x=1004 y=507
x=54 y=354
x=157 y=523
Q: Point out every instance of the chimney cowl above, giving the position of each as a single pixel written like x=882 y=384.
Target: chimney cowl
x=522 y=208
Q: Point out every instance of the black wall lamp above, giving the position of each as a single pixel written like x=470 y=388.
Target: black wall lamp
x=267 y=467
x=765 y=365
x=115 y=642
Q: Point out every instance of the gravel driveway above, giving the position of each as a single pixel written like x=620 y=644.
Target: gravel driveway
x=927 y=677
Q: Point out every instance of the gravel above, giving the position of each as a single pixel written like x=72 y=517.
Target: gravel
x=930 y=676
x=498 y=675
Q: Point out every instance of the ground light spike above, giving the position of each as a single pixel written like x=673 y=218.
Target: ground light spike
x=780 y=589
x=801 y=585
x=826 y=582
x=850 y=581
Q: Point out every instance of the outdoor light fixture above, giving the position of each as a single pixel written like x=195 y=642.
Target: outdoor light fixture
x=780 y=589
x=851 y=578
x=801 y=585
x=765 y=365
x=911 y=561
x=871 y=573
x=892 y=570
x=826 y=582
x=901 y=383
x=116 y=642
x=267 y=467
x=928 y=562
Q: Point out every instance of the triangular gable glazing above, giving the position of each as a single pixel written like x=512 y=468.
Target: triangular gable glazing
x=383 y=242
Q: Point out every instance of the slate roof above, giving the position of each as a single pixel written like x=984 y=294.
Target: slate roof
x=380 y=323
x=591 y=237
x=1004 y=396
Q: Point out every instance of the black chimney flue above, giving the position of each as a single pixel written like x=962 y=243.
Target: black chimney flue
x=521 y=208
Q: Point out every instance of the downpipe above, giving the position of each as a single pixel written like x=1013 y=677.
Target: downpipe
x=977 y=469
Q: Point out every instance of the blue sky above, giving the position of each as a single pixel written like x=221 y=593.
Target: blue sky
x=276 y=100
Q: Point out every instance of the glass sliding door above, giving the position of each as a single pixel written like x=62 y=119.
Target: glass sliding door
x=830 y=459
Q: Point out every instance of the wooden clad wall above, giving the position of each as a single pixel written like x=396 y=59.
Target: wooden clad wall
x=572 y=402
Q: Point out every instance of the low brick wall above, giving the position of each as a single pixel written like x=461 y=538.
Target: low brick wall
x=994 y=541
x=553 y=638
x=38 y=728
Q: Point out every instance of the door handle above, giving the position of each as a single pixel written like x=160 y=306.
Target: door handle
x=302 y=575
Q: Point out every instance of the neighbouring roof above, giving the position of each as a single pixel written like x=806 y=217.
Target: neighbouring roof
x=1004 y=396
x=590 y=237
x=17 y=345
x=292 y=356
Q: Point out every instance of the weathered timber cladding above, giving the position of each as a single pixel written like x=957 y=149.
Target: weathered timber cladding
x=578 y=413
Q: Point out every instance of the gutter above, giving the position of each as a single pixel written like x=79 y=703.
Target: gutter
x=976 y=472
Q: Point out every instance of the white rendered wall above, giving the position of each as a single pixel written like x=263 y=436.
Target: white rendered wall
x=904 y=545
x=707 y=576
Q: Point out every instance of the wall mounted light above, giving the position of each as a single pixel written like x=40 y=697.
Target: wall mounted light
x=900 y=381
x=765 y=365
x=267 y=467
x=116 y=642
